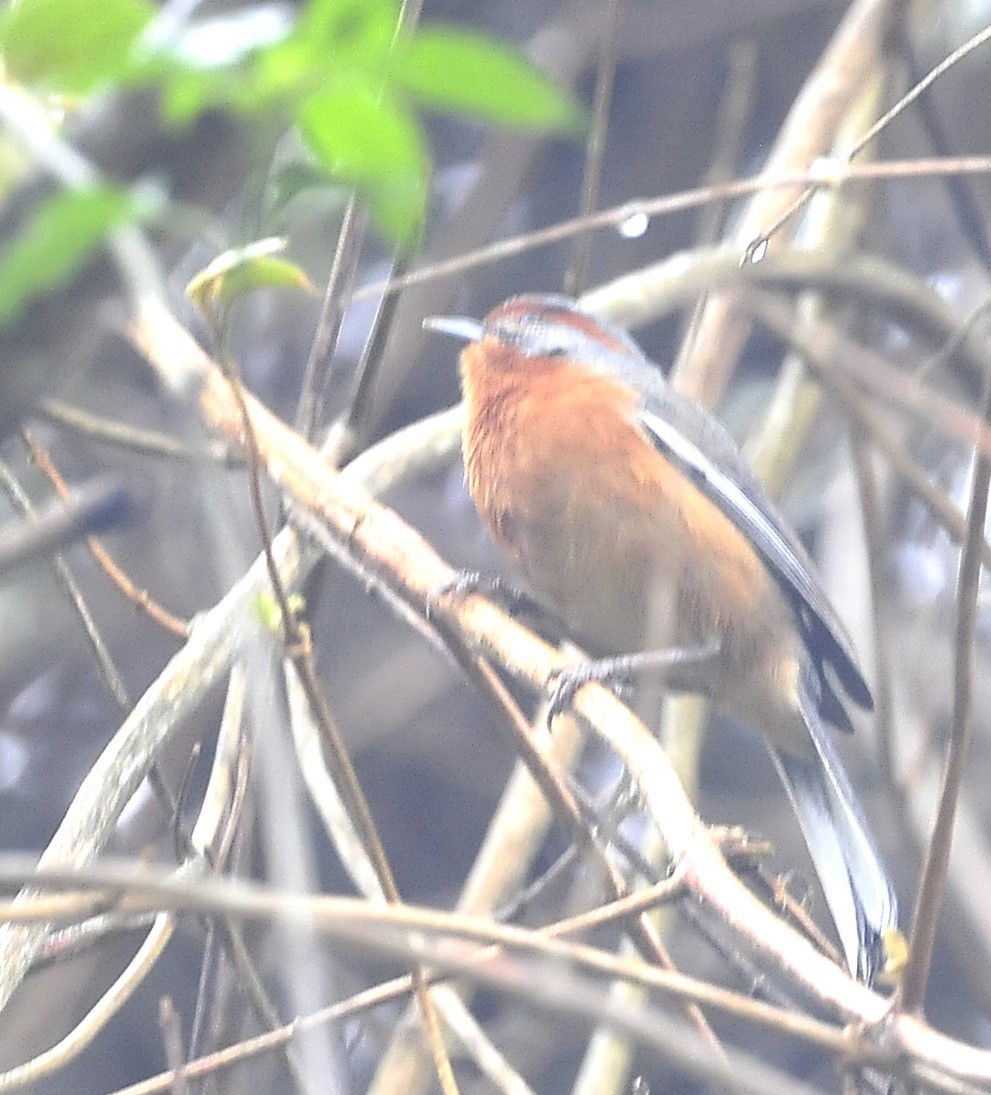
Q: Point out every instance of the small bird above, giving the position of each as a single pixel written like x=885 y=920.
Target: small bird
x=632 y=516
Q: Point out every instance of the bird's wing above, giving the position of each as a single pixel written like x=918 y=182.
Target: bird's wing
x=699 y=446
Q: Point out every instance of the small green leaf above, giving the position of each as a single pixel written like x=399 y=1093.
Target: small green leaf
x=454 y=70
x=360 y=30
x=332 y=38
x=243 y=270
x=265 y=608
x=358 y=134
x=71 y=45
x=57 y=240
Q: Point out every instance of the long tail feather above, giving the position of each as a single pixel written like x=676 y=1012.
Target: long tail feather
x=857 y=889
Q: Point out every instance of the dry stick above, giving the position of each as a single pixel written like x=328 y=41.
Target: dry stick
x=171 y=1027
x=732 y=119
x=99 y=1015
x=369 y=925
x=643 y=933
x=140 y=598
x=387 y=992
x=121 y=435
x=299 y=650
x=335 y=297
x=342 y=833
x=354 y=423
x=933 y=883
x=218 y=823
x=635 y=299
x=93 y=1023
x=882 y=123
x=839 y=365
x=101 y=652
x=595 y=147
x=872 y=520
x=704 y=367
x=455 y=943
x=822 y=173
x=515 y=835
x=188 y=676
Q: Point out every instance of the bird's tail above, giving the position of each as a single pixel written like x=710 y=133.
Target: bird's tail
x=853 y=878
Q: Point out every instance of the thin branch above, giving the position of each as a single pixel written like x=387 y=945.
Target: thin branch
x=140 y=598
x=393 y=929
x=823 y=173
x=101 y=652
x=933 y=882
x=121 y=435
x=336 y=295
x=84 y=1032
x=595 y=146
x=879 y=126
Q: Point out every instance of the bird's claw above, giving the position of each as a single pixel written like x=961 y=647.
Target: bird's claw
x=467 y=582
x=565 y=681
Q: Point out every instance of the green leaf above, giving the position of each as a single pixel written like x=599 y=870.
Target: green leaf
x=266 y=611
x=243 y=270
x=360 y=30
x=332 y=38
x=57 y=241
x=357 y=133
x=454 y=70
x=71 y=45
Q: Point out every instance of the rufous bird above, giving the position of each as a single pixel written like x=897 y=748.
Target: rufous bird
x=631 y=514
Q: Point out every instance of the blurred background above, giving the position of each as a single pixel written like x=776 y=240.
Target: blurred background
x=700 y=94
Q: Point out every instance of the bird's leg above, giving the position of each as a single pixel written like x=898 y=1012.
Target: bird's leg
x=684 y=666
x=515 y=601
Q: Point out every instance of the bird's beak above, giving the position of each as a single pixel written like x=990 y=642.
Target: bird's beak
x=468 y=330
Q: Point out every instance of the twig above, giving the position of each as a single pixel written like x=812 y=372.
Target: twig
x=104 y=659
x=124 y=436
x=832 y=358
x=84 y=1032
x=140 y=598
x=822 y=173
x=336 y=295
x=299 y=650
x=881 y=124
x=933 y=882
x=394 y=929
x=171 y=1028
x=595 y=146
x=870 y=505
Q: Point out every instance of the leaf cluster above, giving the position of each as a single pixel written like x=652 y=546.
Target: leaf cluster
x=345 y=74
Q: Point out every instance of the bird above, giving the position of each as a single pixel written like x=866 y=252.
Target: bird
x=631 y=515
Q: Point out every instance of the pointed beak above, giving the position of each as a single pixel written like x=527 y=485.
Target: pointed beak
x=468 y=330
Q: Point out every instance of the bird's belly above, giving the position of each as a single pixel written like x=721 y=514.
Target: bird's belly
x=616 y=541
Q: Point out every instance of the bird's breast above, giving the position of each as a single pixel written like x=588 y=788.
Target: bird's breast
x=614 y=539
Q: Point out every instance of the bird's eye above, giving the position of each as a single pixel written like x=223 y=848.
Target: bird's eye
x=557 y=351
